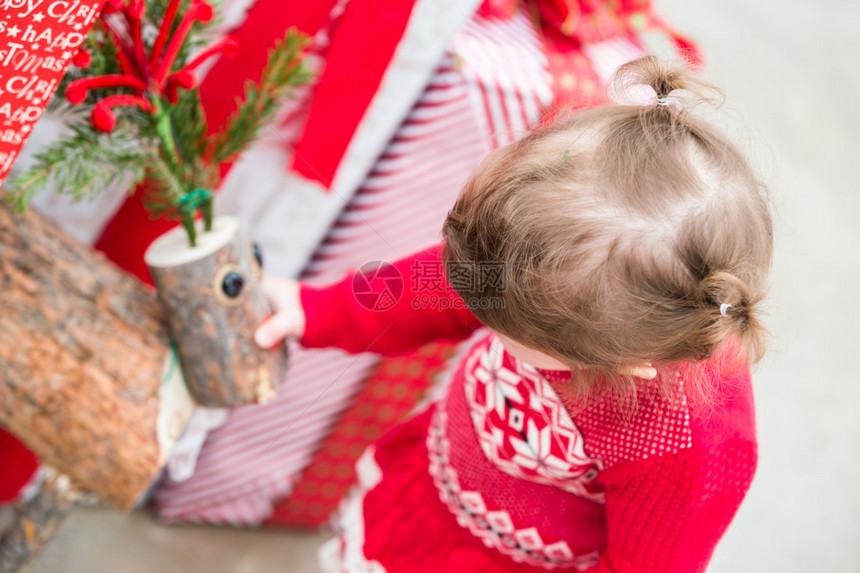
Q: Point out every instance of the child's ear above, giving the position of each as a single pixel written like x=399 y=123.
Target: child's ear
x=640 y=370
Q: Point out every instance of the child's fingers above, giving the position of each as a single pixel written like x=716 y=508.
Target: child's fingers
x=272 y=331
x=288 y=318
x=272 y=290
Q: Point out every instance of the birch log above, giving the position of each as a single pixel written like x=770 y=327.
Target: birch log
x=82 y=348
x=214 y=303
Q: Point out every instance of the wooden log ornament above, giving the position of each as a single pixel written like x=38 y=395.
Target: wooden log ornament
x=84 y=349
x=88 y=379
x=212 y=296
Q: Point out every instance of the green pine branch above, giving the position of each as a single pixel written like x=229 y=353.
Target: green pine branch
x=171 y=146
x=82 y=164
x=166 y=191
x=189 y=129
x=284 y=71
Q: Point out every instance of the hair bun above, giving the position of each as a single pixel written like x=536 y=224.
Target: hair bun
x=721 y=288
x=636 y=80
x=729 y=307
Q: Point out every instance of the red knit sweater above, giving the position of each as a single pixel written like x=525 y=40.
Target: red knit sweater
x=672 y=473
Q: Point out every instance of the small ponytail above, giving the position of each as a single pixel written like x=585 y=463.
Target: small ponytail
x=729 y=310
x=632 y=81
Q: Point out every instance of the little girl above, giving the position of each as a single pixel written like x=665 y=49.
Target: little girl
x=603 y=420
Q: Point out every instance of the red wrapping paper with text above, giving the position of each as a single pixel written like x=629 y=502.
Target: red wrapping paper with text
x=38 y=39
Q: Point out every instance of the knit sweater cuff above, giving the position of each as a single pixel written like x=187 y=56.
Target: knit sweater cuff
x=327 y=321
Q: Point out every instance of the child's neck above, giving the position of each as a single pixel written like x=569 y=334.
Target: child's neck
x=543 y=361
x=531 y=356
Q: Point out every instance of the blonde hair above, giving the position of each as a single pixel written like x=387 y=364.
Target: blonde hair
x=624 y=233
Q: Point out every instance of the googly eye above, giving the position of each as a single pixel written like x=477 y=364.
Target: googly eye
x=232 y=284
x=229 y=285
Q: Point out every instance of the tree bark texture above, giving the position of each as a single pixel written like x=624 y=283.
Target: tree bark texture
x=82 y=349
x=37 y=521
x=214 y=304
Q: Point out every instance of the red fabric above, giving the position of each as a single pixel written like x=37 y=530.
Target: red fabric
x=266 y=22
x=335 y=317
x=408 y=530
x=127 y=235
x=565 y=25
x=591 y=22
x=388 y=395
x=582 y=21
x=575 y=83
x=367 y=35
x=19 y=465
x=673 y=476
x=385 y=399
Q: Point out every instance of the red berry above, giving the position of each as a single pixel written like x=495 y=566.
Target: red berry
x=83 y=59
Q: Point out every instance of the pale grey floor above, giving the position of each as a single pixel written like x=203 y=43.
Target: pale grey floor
x=792 y=81
x=790 y=74
x=106 y=541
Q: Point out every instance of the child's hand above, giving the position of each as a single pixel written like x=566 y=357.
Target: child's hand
x=288 y=318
